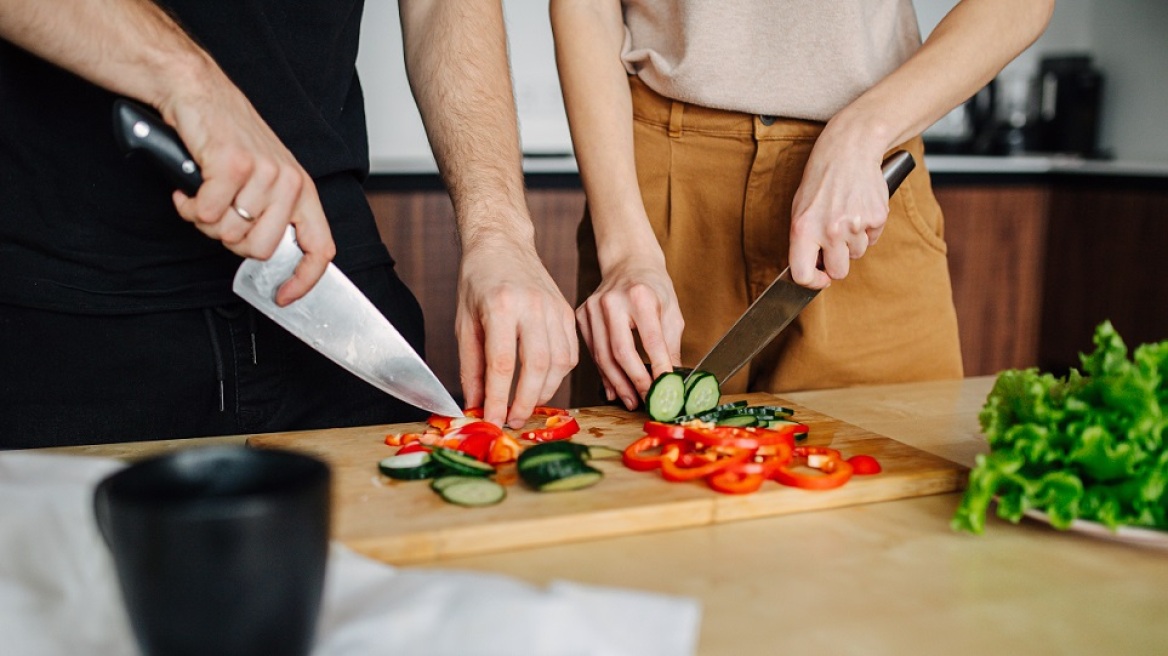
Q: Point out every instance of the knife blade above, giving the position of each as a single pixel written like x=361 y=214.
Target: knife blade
x=334 y=317
x=780 y=303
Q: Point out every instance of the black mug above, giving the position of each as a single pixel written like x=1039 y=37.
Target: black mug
x=219 y=550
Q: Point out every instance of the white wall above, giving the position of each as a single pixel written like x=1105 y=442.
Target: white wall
x=1128 y=37
x=1129 y=41
x=395 y=129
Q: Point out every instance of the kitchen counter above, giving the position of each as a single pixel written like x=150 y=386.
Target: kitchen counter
x=884 y=578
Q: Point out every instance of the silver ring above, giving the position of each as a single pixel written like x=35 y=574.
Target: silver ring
x=243 y=214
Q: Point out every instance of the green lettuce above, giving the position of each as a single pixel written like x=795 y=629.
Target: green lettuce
x=1090 y=445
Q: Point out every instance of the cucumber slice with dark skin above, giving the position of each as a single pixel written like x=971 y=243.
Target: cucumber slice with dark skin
x=460 y=463
x=547 y=473
x=415 y=466
x=666 y=397
x=702 y=393
x=443 y=482
x=738 y=420
x=574 y=482
x=723 y=410
x=473 y=492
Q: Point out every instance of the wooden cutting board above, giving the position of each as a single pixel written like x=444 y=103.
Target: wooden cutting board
x=403 y=522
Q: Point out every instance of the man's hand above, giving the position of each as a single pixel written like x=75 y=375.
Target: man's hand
x=506 y=297
x=248 y=171
x=632 y=296
x=132 y=47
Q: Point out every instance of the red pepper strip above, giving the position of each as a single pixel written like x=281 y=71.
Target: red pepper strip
x=743 y=438
x=668 y=431
x=865 y=465
x=672 y=470
x=474 y=428
x=803 y=451
x=504 y=449
x=477 y=413
x=477 y=445
x=743 y=478
x=401 y=439
x=413 y=446
x=637 y=457
x=836 y=471
x=557 y=427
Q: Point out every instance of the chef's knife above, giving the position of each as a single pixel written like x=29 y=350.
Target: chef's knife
x=334 y=317
x=780 y=303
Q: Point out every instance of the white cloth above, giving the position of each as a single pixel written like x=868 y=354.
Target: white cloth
x=59 y=596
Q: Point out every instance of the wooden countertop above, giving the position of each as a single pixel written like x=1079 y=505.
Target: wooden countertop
x=883 y=578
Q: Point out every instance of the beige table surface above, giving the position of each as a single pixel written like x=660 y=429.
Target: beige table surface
x=885 y=578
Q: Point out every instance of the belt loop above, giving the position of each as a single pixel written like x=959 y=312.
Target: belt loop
x=675 y=114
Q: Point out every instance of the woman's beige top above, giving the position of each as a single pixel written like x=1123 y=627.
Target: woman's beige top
x=794 y=58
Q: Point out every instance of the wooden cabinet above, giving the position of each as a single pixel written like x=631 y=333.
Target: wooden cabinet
x=997 y=240
x=1036 y=262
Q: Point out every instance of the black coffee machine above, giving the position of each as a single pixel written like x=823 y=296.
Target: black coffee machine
x=1068 y=94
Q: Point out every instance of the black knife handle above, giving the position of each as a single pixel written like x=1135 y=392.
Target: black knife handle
x=896 y=168
x=137 y=128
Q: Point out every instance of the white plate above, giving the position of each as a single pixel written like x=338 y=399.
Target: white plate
x=1144 y=537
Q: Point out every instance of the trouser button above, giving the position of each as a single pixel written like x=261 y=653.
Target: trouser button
x=766 y=120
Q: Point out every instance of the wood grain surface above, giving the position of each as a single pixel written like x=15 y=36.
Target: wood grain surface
x=405 y=522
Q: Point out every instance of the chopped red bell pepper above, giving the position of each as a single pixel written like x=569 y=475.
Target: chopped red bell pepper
x=673 y=469
x=668 y=431
x=557 y=427
x=835 y=470
x=742 y=478
x=477 y=445
x=504 y=449
x=401 y=439
x=413 y=446
x=865 y=465
x=647 y=453
x=743 y=438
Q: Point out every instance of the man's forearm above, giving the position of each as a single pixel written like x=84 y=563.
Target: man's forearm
x=130 y=47
x=456 y=57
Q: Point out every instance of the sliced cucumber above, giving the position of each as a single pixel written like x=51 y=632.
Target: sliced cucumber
x=732 y=408
x=541 y=459
x=443 y=482
x=768 y=410
x=473 y=492
x=738 y=420
x=780 y=423
x=460 y=463
x=574 y=482
x=560 y=447
x=545 y=474
x=666 y=397
x=702 y=393
x=410 y=466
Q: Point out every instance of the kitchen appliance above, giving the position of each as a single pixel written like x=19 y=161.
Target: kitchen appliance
x=334 y=317
x=780 y=303
x=1069 y=95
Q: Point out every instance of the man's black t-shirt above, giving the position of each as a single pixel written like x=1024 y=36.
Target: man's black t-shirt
x=85 y=229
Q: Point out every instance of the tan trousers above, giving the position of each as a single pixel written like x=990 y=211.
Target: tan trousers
x=718 y=187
